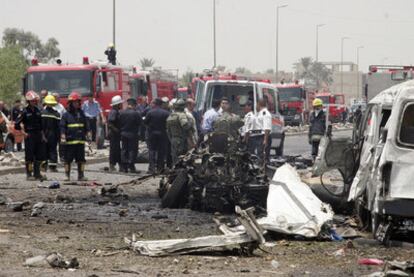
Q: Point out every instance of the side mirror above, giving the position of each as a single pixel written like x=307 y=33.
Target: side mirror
x=384 y=134
x=98 y=83
x=24 y=84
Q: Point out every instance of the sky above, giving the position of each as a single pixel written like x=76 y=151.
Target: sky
x=178 y=34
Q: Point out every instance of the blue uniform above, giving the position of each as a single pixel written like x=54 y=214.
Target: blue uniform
x=156 y=120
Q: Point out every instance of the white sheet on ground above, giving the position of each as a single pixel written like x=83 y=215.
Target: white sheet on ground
x=292 y=207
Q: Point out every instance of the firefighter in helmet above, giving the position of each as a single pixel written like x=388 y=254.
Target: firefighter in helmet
x=317 y=126
x=50 y=125
x=74 y=132
x=30 y=121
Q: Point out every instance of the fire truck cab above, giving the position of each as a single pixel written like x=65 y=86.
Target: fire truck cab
x=99 y=80
x=334 y=104
x=292 y=101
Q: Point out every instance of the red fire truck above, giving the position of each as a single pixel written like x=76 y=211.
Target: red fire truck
x=335 y=102
x=153 y=84
x=293 y=103
x=100 y=80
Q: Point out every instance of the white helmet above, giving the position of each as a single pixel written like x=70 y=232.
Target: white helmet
x=116 y=100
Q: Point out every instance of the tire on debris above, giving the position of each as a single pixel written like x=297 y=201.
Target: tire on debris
x=174 y=196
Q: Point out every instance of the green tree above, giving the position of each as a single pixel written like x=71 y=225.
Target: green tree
x=146 y=63
x=12 y=68
x=314 y=73
x=242 y=70
x=187 y=78
x=30 y=44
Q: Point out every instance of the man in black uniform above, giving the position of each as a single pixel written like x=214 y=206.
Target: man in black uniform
x=114 y=126
x=130 y=120
x=50 y=125
x=155 y=121
x=31 y=123
x=74 y=130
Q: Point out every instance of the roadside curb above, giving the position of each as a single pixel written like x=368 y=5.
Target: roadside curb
x=15 y=170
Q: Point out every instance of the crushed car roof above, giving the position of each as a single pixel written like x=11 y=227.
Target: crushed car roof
x=388 y=96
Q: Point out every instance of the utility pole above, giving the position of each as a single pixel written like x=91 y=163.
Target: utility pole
x=113 y=22
x=277 y=40
x=317 y=41
x=342 y=63
x=214 y=34
x=358 y=86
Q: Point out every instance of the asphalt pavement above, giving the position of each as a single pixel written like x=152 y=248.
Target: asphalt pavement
x=298 y=144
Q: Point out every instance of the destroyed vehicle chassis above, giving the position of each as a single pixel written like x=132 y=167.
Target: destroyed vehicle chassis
x=207 y=196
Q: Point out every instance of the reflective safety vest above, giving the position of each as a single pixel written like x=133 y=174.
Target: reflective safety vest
x=74 y=126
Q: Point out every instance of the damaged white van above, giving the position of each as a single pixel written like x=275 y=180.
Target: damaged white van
x=377 y=163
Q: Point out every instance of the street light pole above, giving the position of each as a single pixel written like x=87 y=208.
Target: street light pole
x=277 y=40
x=317 y=41
x=214 y=34
x=342 y=63
x=357 y=56
x=113 y=22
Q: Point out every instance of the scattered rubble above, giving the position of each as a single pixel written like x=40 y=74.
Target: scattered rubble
x=249 y=237
x=55 y=260
x=10 y=159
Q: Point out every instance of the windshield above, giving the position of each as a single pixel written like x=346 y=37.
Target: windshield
x=290 y=94
x=238 y=95
x=325 y=99
x=62 y=82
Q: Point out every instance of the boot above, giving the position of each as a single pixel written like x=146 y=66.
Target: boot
x=124 y=168
x=132 y=168
x=37 y=174
x=112 y=168
x=81 y=172
x=29 y=172
x=67 y=171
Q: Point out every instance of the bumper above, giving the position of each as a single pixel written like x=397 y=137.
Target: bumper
x=397 y=207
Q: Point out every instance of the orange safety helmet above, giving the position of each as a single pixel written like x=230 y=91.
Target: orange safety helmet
x=31 y=96
x=74 y=96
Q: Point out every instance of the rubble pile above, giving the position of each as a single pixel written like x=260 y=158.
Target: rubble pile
x=215 y=182
x=9 y=159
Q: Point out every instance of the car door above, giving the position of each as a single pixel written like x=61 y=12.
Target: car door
x=269 y=93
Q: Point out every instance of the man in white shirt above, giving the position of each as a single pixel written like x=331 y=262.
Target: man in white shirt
x=264 y=124
x=248 y=128
x=58 y=107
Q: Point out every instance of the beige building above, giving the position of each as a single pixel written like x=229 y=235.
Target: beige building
x=349 y=82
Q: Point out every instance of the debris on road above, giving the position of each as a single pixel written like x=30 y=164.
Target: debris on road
x=36 y=208
x=370 y=261
x=252 y=233
x=292 y=207
x=10 y=159
x=55 y=260
x=17 y=206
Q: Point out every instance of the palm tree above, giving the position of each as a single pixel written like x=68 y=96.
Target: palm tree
x=146 y=62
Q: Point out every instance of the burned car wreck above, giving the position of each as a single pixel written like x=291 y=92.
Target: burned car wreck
x=376 y=164
x=216 y=177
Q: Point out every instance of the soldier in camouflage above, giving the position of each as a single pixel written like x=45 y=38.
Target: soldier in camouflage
x=228 y=123
x=180 y=131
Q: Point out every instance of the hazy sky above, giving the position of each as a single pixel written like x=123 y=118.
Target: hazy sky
x=178 y=33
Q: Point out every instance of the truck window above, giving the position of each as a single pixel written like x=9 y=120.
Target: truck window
x=111 y=82
x=406 y=136
x=199 y=90
x=269 y=96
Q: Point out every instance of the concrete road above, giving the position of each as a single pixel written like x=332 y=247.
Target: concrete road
x=298 y=145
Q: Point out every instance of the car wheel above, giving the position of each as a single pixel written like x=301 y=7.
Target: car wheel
x=174 y=195
x=8 y=145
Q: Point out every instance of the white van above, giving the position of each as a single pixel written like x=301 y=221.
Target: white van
x=239 y=92
x=377 y=164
